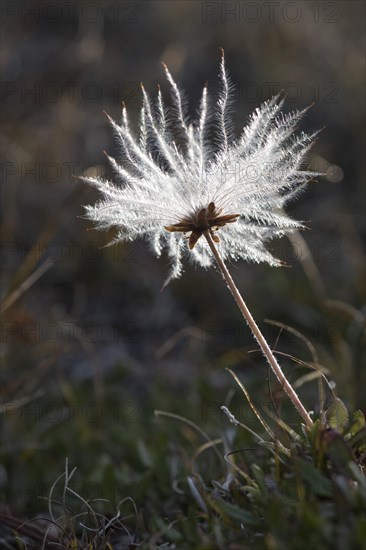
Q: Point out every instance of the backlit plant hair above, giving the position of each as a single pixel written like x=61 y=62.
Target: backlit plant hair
x=207 y=197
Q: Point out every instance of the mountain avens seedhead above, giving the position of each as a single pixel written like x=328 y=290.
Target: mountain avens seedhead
x=179 y=178
x=177 y=183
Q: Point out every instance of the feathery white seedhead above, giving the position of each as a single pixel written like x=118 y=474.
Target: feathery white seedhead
x=175 y=181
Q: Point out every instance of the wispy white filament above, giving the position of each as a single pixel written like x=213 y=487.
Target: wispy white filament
x=176 y=167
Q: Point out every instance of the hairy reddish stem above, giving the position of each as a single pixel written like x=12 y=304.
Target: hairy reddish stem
x=267 y=352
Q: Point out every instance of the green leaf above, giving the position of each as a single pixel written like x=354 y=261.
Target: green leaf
x=337 y=415
x=234 y=512
x=169 y=531
x=358 y=422
x=338 y=449
x=358 y=441
x=318 y=483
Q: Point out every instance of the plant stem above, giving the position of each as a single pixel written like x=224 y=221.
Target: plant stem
x=258 y=335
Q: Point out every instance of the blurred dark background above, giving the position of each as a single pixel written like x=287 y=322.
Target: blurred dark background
x=90 y=346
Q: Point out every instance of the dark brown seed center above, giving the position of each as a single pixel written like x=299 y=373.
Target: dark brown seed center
x=206 y=219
